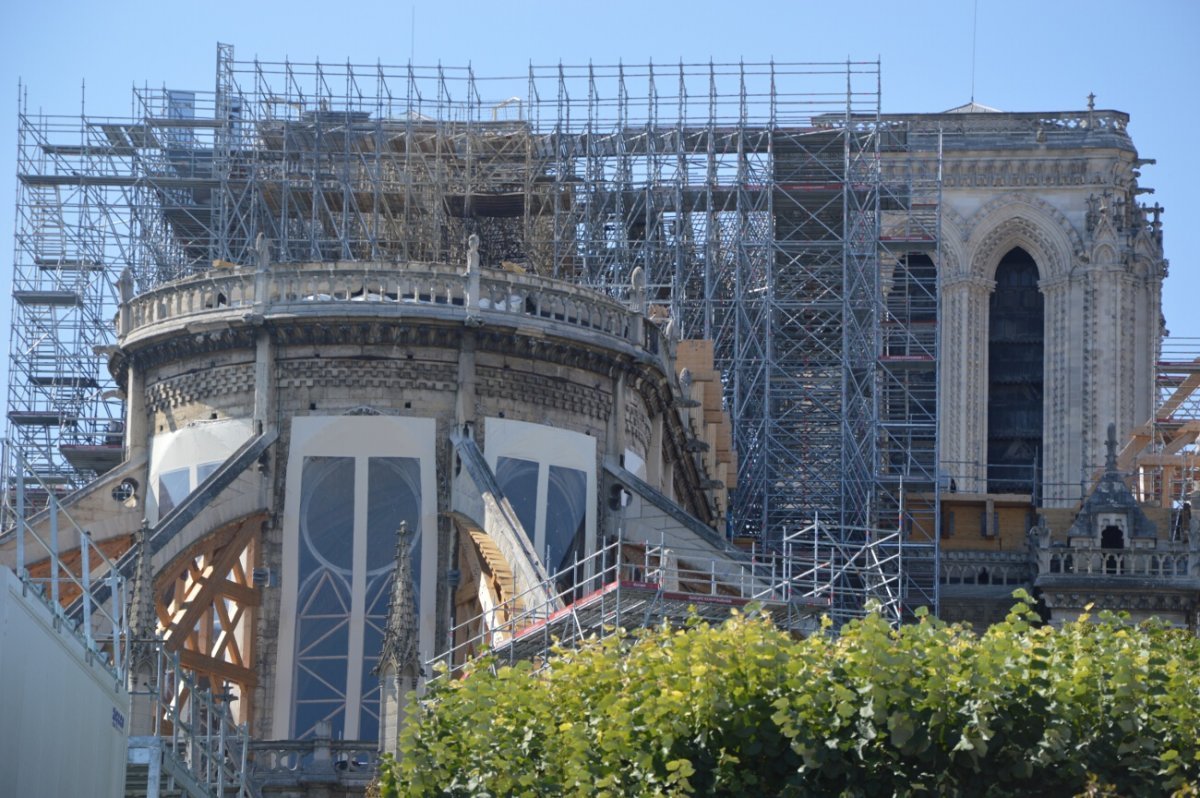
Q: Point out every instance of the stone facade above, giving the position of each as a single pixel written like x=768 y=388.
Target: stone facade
x=1065 y=190
x=250 y=351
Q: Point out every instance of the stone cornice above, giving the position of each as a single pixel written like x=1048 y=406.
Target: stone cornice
x=1104 y=597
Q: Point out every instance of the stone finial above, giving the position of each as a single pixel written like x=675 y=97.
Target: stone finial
x=143 y=620
x=685 y=382
x=400 y=649
x=1156 y=222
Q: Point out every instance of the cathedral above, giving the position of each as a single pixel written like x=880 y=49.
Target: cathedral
x=380 y=389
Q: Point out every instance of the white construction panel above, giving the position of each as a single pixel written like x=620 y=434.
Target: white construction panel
x=64 y=718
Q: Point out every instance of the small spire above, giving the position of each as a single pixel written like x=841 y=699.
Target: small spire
x=400 y=648
x=1091 y=101
x=143 y=621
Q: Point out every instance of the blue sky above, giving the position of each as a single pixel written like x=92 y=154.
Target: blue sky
x=1031 y=55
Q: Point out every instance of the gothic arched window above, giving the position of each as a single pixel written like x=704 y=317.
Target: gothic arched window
x=1015 y=375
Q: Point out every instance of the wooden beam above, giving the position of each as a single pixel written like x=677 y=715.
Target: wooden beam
x=227 y=671
x=182 y=562
x=1182 y=460
x=242 y=594
x=225 y=644
x=202 y=600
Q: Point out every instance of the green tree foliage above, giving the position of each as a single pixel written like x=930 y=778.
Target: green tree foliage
x=1098 y=707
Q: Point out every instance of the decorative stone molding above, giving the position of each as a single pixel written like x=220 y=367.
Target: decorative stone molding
x=1114 y=598
x=198 y=386
x=950 y=256
x=1033 y=224
x=969 y=281
x=539 y=391
x=1022 y=173
x=637 y=425
x=393 y=376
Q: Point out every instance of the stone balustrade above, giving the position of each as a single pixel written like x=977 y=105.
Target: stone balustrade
x=1173 y=562
x=1005 y=568
x=302 y=288
x=289 y=763
x=1004 y=122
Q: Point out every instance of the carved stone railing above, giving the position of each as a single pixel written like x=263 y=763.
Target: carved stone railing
x=981 y=568
x=277 y=765
x=1108 y=121
x=1174 y=562
x=411 y=288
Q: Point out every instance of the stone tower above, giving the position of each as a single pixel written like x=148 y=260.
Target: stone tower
x=1051 y=279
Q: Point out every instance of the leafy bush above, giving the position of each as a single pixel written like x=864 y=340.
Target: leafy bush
x=1098 y=707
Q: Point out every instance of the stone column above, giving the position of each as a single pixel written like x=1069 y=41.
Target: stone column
x=963 y=402
x=1062 y=413
x=136 y=422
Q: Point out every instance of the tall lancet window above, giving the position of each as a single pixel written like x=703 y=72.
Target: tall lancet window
x=1015 y=376
x=349 y=513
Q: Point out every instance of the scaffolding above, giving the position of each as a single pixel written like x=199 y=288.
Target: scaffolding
x=769 y=207
x=626 y=585
x=1162 y=456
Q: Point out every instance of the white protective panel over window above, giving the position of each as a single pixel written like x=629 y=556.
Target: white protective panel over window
x=549 y=476
x=519 y=480
x=181 y=460
x=351 y=481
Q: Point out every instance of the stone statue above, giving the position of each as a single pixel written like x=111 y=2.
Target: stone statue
x=471 y=299
x=637 y=290
x=263 y=251
x=125 y=284
x=473 y=254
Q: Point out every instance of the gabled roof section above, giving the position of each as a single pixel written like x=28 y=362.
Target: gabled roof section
x=973 y=108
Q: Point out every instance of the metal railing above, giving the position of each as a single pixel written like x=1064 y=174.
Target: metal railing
x=620 y=562
x=193 y=736
x=812 y=569
x=39 y=563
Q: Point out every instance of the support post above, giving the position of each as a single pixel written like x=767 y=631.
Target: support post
x=118 y=615
x=20 y=472
x=54 y=569
x=85 y=567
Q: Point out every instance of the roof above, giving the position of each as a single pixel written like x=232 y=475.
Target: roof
x=972 y=108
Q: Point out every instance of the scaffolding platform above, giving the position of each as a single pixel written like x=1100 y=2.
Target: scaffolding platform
x=99 y=458
x=647 y=605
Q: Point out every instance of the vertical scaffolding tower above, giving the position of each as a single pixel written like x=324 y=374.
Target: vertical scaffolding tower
x=768 y=206
x=74 y=216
